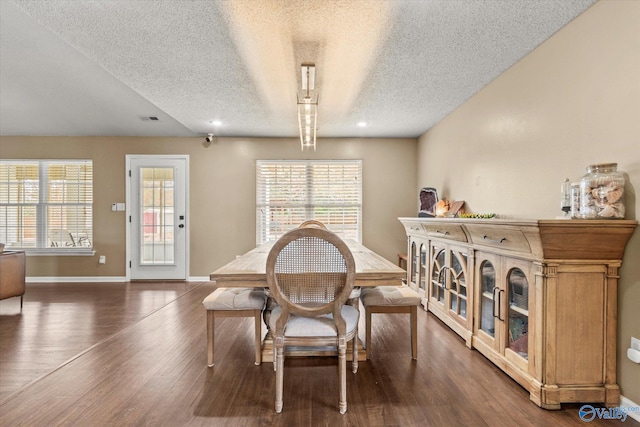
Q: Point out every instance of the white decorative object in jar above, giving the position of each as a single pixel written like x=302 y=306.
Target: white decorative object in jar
x=602 y=192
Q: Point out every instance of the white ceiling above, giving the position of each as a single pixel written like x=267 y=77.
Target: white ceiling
x=96 y=67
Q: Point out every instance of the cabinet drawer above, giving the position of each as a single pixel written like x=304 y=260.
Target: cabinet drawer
x=503 y=238
x=413 y=229
x=446 y=231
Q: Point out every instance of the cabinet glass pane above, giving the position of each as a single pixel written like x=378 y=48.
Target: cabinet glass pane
x=438 y=275
x=458 y=288
x=518 y=312
x=488 y=278
x=423 y=267
x=414 y=263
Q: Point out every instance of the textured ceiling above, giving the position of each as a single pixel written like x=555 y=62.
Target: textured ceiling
x=96 y=67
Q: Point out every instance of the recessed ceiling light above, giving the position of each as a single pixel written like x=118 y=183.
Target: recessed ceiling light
x=216 y=122
x=362 y=124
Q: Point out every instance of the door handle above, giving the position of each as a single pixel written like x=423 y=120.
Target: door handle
x=500 y=303
x=499 y=241
x=494 y=301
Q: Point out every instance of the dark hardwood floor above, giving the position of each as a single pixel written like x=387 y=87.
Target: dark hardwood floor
x=103 y=354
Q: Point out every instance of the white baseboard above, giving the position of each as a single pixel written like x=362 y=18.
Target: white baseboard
x=75 y=279
x=81 y=279
x=627 y=403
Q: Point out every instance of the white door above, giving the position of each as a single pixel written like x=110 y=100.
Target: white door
x=157 y=232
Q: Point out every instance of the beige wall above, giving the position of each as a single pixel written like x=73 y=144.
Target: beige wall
x=222 y=193
x=574 y=101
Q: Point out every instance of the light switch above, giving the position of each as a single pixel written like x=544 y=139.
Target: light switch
x=114 y=207
x=120 y=206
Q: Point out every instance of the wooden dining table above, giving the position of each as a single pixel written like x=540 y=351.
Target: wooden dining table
x=249 y=270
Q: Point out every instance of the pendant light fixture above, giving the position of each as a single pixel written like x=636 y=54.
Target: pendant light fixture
x=308 y=108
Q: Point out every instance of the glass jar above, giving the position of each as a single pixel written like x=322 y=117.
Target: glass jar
x=602 y=192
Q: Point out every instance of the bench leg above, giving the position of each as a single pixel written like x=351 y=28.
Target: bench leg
x=210 y=325
x=367 y=341
x=258 y=343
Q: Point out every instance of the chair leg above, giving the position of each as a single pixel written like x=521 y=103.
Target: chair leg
x=342 y=374
x=354 y=356
x=21 y=298
x=210 y=325
x=367 y=341
x=258 y=325
x=279 y=362
x=414 y=331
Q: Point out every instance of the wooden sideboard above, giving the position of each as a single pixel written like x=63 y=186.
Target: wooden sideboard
x=538 y=298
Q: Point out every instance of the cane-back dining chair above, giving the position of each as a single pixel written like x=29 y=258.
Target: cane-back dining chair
x=311 y=272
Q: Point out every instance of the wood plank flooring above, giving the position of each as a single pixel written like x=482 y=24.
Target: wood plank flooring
x=100 y=354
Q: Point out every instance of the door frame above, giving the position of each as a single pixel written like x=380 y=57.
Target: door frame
x=128 y=213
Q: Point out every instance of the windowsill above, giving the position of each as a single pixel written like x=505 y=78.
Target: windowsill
x=59 y=252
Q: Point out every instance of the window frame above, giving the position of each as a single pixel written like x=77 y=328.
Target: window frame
x=42 y=213
x=309 y=205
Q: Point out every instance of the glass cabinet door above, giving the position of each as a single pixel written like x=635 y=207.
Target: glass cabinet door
x=487 y=303
x=458 y=284
x=438 y=274
x=518 y=317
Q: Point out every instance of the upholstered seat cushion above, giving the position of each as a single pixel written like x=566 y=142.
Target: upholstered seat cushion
x=355 y=292
x=389 y=295
x=235 y=299
x=321 y=326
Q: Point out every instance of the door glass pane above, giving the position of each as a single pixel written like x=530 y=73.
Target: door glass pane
x=157 y=213
x=488 y=278
x=518 y=312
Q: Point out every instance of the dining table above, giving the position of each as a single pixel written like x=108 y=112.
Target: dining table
x=249 y=271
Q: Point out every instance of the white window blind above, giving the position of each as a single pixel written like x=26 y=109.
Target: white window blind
x=46 y=204
x=290 y=192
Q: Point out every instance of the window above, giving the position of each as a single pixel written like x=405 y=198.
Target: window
x=46 y=204
x=290 y=192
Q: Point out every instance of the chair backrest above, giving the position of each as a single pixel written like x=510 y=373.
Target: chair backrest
x=310 y=271
x=313 y=223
